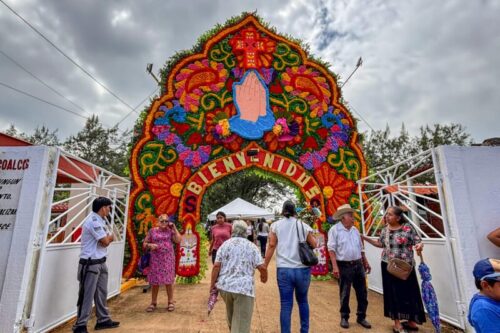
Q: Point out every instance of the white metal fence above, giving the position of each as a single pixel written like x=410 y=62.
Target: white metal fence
x=78 y=184
x=413 y=185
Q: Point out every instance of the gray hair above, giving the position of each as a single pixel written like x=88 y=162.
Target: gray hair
x=239 y=228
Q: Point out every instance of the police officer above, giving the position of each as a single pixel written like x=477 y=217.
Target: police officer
x=92 y=269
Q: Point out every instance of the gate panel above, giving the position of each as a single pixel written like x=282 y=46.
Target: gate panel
x=412 y=184
x=78 y=184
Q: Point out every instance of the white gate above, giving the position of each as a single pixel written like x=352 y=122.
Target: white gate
x=415 y=185
x=56 y=288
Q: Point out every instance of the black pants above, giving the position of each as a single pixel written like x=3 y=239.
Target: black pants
x=352 y=273
x=214 y=254
x=262 y=242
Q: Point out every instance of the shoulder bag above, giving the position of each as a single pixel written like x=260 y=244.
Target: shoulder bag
x=306 y=252
x=397 y=267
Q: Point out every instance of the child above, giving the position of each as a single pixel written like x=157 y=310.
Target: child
x=484 y=309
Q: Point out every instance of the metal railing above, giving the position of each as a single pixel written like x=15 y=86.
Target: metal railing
x=79 y=183
x=410 y=184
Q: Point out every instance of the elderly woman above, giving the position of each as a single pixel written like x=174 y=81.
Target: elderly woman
x=221 y=232
x=160 y=241
x=402 y=299
x=292 y=275
x=233 y=271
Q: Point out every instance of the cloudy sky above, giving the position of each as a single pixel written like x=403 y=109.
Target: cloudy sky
x=425 y=61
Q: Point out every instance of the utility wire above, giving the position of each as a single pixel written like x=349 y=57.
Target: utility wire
x=128 y=114
x=42 y=82
x=68 y=57
x=362 y=118
x=42 y=100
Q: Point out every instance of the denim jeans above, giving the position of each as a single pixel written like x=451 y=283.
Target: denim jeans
x=290 y=280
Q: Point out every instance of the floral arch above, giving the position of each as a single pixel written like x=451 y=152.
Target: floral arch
x=244 y=97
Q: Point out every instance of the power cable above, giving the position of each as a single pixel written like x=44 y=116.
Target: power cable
x=42 y=82
x=68 y=57
x=362 y=118
x=128 y=114
x=42 y=100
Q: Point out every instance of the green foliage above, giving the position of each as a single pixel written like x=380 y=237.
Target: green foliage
x=106 y=148
x=252 y=185
x=383 y=150
x=41 y=135
x=326 y=277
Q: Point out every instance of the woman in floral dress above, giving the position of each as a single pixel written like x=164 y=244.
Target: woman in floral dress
x=402 y=299
x=160 y=242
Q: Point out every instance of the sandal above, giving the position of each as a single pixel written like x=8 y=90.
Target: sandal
x=171 y=306
x=406 y=326
x=151 y=307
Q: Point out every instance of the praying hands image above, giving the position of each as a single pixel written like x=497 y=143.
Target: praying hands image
x=251 y=99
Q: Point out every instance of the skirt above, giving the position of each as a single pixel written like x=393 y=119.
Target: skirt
x=402 y=299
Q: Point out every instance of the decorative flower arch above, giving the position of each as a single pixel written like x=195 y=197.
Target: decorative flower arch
x=245 y=88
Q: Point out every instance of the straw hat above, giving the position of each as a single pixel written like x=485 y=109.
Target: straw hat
x=342 y=210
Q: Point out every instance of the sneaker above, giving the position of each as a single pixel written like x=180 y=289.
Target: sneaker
x=106 y=324
x=344 y=323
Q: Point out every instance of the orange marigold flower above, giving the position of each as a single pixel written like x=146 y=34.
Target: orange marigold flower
x=336 y=189
x=166 y=187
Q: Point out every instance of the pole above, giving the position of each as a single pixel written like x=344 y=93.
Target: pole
x=358 y=64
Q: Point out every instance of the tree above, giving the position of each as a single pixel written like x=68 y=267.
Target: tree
x=382 y=151
x=103 y=147
x=12 y=131
x=43 y=136
x=251 y=185
x=453 y=134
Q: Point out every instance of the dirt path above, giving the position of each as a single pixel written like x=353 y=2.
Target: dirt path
x=190 y=315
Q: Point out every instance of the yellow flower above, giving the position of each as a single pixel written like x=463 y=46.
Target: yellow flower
x=328 y=192
x=277 y=129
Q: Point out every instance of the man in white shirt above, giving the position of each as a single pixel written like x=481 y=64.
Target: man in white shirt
x=92 y=269
x=349 y=264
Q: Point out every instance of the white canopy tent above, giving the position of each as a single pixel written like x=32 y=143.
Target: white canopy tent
x=239 y=208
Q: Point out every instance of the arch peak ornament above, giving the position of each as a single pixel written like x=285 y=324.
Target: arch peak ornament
x=245 y=88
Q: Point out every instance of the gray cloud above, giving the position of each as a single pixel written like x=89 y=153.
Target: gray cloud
x=424 y=61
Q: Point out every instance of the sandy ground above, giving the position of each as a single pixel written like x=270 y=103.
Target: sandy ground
x=190 y=315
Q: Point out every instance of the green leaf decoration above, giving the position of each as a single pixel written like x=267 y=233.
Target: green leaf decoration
x=156 y=156
x=346 y=163
x=285 y=57
x=221 y=52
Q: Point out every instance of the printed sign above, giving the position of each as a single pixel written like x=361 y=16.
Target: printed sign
x=12 y=169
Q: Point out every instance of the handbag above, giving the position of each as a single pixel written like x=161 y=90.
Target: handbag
x=144 y=262
x=397 y=267
x=306 y=252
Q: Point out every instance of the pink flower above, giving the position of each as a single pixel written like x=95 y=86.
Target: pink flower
x=401 y=240
x=406 y=228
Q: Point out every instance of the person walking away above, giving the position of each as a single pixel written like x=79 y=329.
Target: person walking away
x=262 y=234
x=293 y=276
x=484 y=308
x=160 y=242
x=349 y=264
x=233 y=273
x=221 y=232
x=92 y=269
x=250 y=231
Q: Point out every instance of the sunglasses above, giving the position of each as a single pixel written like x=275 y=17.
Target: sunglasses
x=163 y=221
